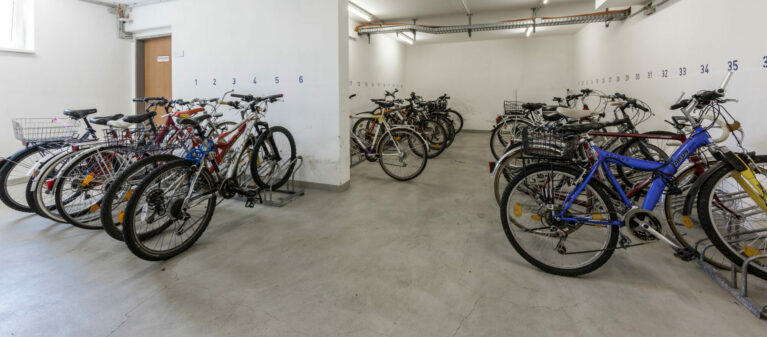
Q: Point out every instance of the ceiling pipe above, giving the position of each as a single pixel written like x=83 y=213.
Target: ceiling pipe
x=617 y=15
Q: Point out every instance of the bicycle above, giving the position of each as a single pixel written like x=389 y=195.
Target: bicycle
x=162 y=218
x=563 y=201
x=401 y=152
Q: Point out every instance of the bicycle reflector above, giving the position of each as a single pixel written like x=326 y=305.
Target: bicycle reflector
x=492 y=166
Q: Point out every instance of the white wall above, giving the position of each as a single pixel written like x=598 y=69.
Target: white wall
x=480 y=75
x=683 y=34
x=373 y=68
x=267 y=39
x=79 y=62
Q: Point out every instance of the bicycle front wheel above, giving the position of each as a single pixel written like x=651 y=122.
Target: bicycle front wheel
x=565 y=248
x=275 y=158
x=732 y=213
x=162 y=218
x=401 y=154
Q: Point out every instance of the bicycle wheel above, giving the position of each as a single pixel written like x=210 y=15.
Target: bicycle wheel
x=14 y=176
x=162 y=218
x=44 y=181
x=512 y=162
x=448 y=126
x=688 y=233
x=400 y=154
x=81 y=185
x=117 y=195
x=275 y=154
x=505 y=132
x=29 y=191
x=734 y=222
x=457 y=120
x=557 y=247
x=435 y=136
x=639 y=149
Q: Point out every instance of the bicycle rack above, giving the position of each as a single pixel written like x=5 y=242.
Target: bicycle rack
x=284 y=195
x=731 y=285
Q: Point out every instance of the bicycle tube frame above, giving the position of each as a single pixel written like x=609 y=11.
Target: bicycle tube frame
x=688 y=148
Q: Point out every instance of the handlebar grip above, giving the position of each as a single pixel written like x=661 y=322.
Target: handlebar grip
x=274 y=97
x=246 y=98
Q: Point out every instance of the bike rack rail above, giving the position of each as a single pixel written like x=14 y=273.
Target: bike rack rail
x=731 y=285
x=282 y=196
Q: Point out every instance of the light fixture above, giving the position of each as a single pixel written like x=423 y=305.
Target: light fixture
x=545 y=1
x=356 y=10
x=529 y=31
x=405 y=38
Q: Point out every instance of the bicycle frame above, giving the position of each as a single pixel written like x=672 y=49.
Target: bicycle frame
x=662 y=169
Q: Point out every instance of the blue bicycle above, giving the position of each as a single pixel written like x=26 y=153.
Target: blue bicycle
x=566 y=221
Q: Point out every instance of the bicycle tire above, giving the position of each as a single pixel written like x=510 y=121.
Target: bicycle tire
x=412 y=138
x=111 y=223
x=705 y=198
x=458 y=119
x=255 y=165
x=11 y=163
x=133 y=239
x=610 y=243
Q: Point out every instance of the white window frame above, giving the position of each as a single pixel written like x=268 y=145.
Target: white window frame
x=23 y=27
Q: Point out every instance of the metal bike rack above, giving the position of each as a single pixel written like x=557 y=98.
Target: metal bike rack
x=282 y=196
x=731 y=285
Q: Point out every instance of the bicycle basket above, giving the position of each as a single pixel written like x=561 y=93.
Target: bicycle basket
x=513 y=107
x=40 y=130
x=549 y=146
x=139 y=140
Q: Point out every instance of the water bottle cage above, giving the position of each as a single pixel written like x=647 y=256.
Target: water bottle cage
x=197 y=154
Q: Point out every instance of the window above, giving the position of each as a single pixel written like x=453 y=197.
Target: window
x=17 y=25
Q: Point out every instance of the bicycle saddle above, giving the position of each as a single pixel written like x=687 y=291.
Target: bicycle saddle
x=382 y=103
x=533 y=106
x=79 y=114
x=139 y=118
x=576 y=113
x=552 y=116
x=579 y=128
x=102 y=120
x=187 y=113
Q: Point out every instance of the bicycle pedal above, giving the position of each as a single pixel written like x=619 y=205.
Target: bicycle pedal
x=250 y=202
x=686 y=254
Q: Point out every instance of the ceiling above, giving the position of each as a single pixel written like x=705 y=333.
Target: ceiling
x=398 y=9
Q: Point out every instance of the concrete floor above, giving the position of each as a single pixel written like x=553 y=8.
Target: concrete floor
x=424 y=258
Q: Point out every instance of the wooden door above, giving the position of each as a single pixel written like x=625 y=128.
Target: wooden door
x=157 y=69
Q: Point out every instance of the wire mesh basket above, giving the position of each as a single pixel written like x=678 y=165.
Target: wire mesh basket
x=42 y=130
x=549 y=146
x=513 y=107
x=141 y=140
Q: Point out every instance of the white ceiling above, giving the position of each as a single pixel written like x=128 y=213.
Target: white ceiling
x=399 y=9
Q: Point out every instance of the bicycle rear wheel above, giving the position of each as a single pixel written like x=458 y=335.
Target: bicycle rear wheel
x=734 y=221
x=162 y=219
x=457 y=120
x=557 y=247
x=119 y=192
x=80 y=187
x=401 y=154
x=435 y=136
x=14 y=176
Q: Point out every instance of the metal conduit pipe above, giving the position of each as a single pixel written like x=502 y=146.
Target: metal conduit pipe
x=608 y=16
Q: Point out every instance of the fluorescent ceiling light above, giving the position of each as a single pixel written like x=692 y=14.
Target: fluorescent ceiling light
x=405 y=38
x=529 y=31
x=354 y=9
x=545 y=1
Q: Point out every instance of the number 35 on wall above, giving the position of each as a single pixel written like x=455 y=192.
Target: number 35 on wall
x=732 y=65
